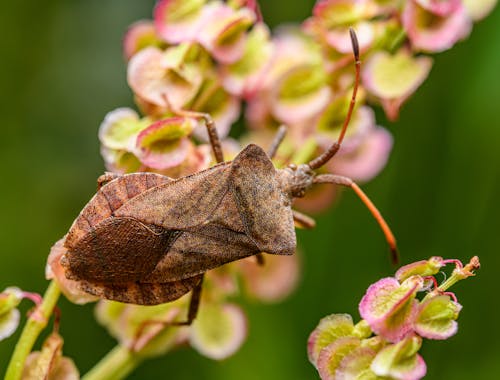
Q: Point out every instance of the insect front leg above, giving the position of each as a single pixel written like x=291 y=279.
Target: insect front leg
x=194 y=305
x=278 y=139
x=261 y=260
x=209 y=123
x=303 y=221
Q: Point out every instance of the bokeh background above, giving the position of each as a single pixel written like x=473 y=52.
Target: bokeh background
x=61 y=71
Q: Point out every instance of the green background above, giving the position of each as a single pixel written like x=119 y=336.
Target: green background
x=61 y=71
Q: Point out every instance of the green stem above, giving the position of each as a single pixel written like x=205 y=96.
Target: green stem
x=36 y=323
x=117 y=364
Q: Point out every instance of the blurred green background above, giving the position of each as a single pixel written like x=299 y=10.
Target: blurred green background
x=61 y=71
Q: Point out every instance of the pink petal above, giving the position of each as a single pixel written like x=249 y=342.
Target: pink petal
x=273 y=281
x=152 y=75
x=222 y=21
x=330 y=357
x=439 y=7
x=390 y=308
x=340 y=39
x=163 y=145
x=183 y=29
x=138 y=36
x=432 y=33
x=293 y=111
x=245 y=77
x=356 y=365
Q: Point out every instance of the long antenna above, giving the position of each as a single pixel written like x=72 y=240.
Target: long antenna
x=344 y=181
x=334 y=148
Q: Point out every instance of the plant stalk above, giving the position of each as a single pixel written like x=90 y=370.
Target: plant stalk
x=116 y=365
x=34 y=326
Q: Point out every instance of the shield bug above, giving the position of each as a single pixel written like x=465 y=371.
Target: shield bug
x=148 y=239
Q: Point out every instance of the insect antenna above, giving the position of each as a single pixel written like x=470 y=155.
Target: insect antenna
x=344 y=181
x=334 y=148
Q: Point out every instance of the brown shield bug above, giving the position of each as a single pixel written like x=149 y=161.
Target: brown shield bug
x=148 y=239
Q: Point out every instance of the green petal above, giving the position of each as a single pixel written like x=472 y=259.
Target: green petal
x=400 y=360
x=329 y=329
x=436 y=318
x=218 y=331
x=394 y=76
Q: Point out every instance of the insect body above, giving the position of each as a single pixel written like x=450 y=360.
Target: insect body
x=148 y=239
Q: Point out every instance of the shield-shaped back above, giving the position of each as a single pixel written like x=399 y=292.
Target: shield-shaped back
x=262 y=204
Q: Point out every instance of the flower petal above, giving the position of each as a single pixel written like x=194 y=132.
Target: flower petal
x=400 y=361
x=439 y=7
x=356 y=365
x=119 y=129
x=220 y=105
x=370 y=157
x=120 y=161
x=436 y=318
x=274 y=280
x=422 y=268
x=340 y=39
x=244 y=77
x=8 y=323
x=329 y=329
x=218 y=331
x=389 y=308
x=330 y=357
x=153 y=74
x=479 y=9
x=163 y=144
x=223 y=33
x=393 y=78
x=140 y=35
x=432 y=33
x=179 y=20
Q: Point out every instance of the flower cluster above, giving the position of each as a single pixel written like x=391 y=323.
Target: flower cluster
x=199 y=57
x=385 y=343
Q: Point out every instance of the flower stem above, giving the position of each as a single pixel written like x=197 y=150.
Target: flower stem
x=458 y=274
x=34 y=326
x=117 y=364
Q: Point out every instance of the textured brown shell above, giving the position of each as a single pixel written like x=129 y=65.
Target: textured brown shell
x=108 y=199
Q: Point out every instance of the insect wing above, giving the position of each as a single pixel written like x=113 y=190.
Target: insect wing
x=183 y=203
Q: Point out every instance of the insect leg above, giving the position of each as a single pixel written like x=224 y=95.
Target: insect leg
x=278 y=138
x=345 y=181
x=106 y=178
x=194 y=304
x=261 y=260
x=303 y=221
